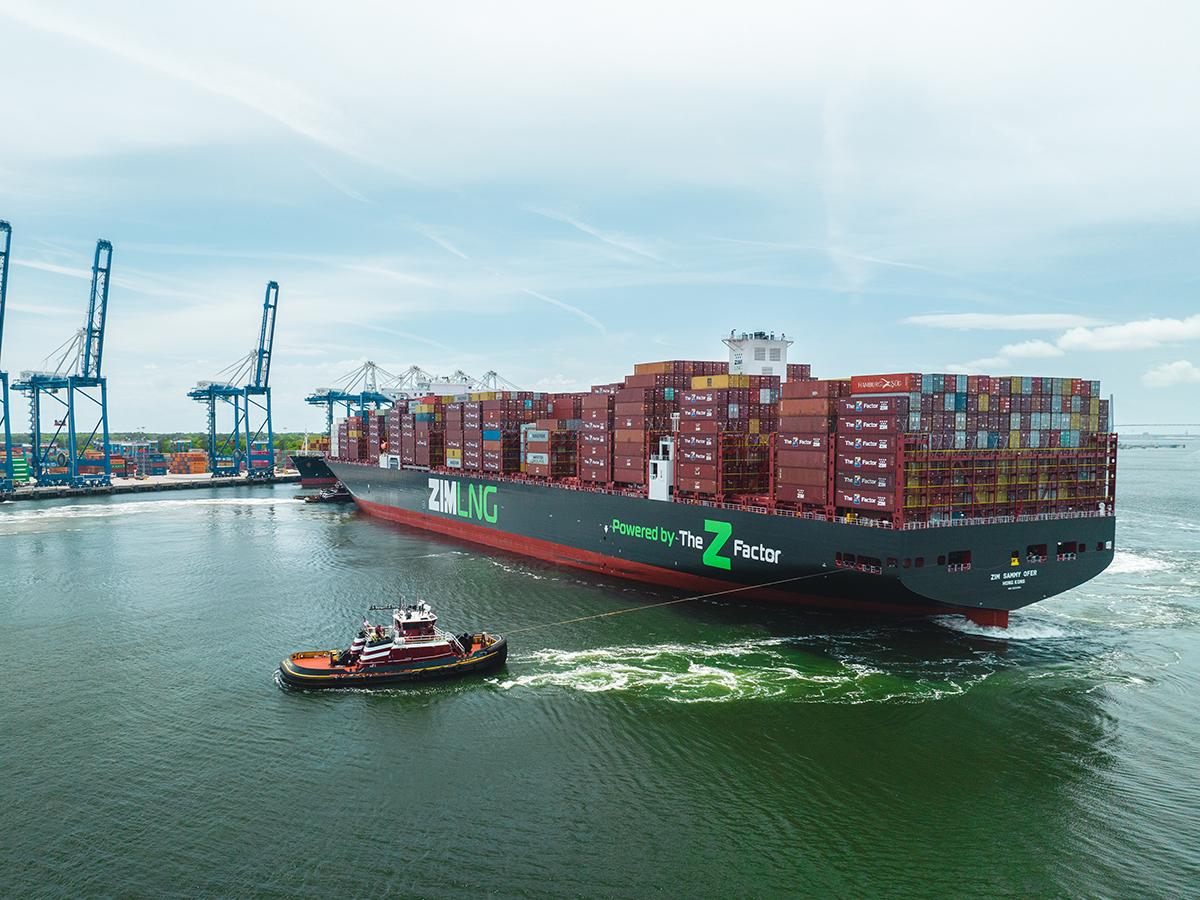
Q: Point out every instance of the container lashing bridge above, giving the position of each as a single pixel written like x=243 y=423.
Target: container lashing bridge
x=243 y=389
x=73 y=395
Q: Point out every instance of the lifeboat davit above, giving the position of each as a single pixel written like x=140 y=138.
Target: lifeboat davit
x=412 y=648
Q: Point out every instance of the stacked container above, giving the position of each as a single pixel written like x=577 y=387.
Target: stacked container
x=595 y=451
x=725 y=422
x=804 y=444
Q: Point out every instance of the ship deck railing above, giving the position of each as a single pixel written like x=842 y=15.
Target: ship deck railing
x=760 y=509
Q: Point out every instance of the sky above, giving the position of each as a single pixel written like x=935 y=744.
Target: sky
x=557 y=191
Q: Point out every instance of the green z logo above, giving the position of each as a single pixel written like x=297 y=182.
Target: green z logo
x=712 y=553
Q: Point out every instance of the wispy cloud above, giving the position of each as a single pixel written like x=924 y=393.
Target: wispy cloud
x=590 y=319
x=270 y=97
x=337 y=184
x=612 y=238
x=440 y=241
x=1002 y=321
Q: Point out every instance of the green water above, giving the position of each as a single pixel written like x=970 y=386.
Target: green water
x=707 y=749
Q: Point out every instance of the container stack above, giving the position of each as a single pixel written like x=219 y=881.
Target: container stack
x=643 y=410
x=737 y=414
x=596 y=436
x=551 y=448
x=945 y=446
x=804 y=445
x=189 y=462
x=429 y=436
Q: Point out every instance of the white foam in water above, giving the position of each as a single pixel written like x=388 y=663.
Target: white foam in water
x=131 y=507
x=707 y=673
x=1127 y=563
x=1016 y=631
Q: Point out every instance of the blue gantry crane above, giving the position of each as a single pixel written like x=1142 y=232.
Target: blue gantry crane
x=244 y=390
x=6 y=470
x=77 y=390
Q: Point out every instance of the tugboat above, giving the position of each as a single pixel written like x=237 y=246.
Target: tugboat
x=335 y=494
x=413 y=648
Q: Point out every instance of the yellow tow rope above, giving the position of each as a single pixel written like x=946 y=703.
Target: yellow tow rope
x=618 y=612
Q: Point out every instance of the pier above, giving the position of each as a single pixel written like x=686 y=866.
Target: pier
x=145 y=485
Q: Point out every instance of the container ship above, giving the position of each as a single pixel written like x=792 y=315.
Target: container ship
x=313 y=469
x=904 y=493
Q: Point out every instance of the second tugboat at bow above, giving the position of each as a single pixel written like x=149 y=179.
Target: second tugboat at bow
x=412 y=649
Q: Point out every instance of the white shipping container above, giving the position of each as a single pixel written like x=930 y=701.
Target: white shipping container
x=538 y=459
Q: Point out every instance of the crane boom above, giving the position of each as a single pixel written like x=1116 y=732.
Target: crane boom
x=266 y=336
x=5 y=247
x=93 y=336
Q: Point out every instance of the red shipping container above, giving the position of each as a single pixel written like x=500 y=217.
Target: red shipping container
x=785 y=441
x=872 y=406
x=868 y=480
x=871 y=425
x=806 y=406
x=691 y=470
x=807 y=477
x=867 y=500
x=833 y=387
x=857 y=443
x=802 y=459
x=697 y=441
x=597 y=473
x=697 y=486
x=629 y=476
x=805 y=424
x=903 y=383
x=865 y=462
x=795 y=493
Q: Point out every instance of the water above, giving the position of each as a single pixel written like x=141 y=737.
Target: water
x=699 y=749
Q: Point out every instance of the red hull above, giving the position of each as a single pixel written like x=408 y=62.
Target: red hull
x=635 y=571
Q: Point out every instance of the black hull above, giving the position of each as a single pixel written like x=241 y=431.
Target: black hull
x=313 y=470
x=481 y=661
x=676 y=544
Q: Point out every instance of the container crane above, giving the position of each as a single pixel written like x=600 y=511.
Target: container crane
x=251 y=437
x=354 y=393
x=6 y=470
x=77 y=372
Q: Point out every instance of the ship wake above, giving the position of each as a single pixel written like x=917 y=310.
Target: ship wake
x=773 y=668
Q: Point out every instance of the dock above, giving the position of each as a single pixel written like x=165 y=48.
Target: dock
x=149 y=484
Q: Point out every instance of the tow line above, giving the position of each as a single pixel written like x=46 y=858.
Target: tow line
x=620 y=612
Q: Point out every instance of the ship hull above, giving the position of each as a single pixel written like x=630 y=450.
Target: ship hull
x=313 y=470
x=756 y=556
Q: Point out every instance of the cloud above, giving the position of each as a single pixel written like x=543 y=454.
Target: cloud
x=267 y=95
x=1002 y=321
x=1141 y=334
x=591 y=320
x=338 y=185
x=612 y=238
x=1170 y=374
x=441 y=242
x=1033 y=349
